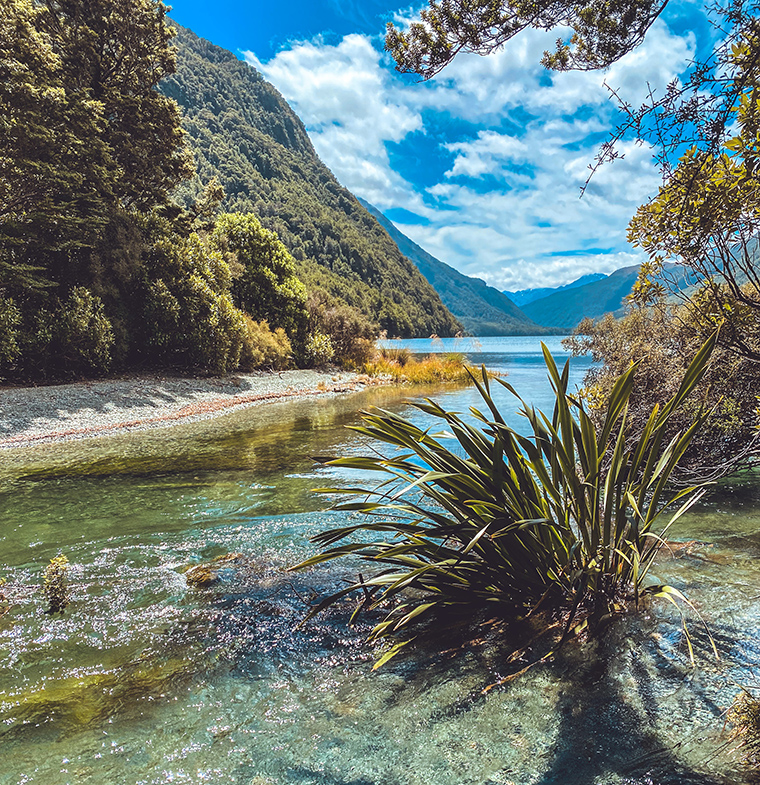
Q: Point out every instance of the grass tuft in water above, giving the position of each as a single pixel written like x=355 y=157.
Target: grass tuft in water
x=55 y=585
x=401 y=366
x=744 y=716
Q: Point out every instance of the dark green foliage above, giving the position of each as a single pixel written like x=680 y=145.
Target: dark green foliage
x=265 y=285
x=188 y=318
x=480 y=308
x=89 y=147
x=562 y=519
x=242 y=132
x=83 y=334
x=10 y=321
x=351 y=334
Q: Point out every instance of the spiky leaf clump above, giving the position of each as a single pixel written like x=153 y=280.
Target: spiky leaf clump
x=563 y=518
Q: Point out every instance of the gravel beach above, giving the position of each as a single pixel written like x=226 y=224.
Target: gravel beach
x=41 y=415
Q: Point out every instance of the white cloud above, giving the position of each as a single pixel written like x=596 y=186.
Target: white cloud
x=351 y=108
x=532 y=137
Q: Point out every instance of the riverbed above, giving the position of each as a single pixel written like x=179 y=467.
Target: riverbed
x=150 y=678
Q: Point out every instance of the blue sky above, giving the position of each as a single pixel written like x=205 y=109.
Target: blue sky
x=482 y=165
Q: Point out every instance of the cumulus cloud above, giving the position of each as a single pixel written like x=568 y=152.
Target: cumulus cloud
x=504 y=202
x=352 y=109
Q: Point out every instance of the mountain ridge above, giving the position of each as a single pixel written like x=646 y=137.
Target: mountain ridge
x=242 y=131
x=525 y=296
x=463 y=295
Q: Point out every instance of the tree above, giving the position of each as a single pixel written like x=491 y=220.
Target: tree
x=87 y=147
x=696 y=110
x=602 y=32
x=84 y=134
x=264 y=284
x=706 y=218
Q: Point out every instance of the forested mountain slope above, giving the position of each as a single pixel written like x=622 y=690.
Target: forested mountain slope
x=480 y=308
x=567 y=307
x=525 y=296
x=243 y=132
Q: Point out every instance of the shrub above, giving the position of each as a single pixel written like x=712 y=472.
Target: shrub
x=562 y=519
x=350 y=332
x=665 y=338
x=10 y=321
x=83 y=333
x=267 y=286
x=55 y=586
x=319 y=350
x=264 y=348
x=189 y=319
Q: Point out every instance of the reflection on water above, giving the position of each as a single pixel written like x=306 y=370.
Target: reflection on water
x=147 y=679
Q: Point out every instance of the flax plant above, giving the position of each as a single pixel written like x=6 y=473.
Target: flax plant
x=562 y=519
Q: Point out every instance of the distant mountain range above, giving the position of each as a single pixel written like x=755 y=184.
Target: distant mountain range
x=525 y=296
x=568 y=305
x=482 y=309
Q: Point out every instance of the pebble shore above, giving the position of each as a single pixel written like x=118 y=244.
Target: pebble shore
x=41 y=415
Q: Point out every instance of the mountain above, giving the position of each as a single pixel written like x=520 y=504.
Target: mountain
x=525 y=296
x=480 y=308
x=242 y=131
x=566 y=307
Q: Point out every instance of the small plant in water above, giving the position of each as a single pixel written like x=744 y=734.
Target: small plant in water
x=56 y=586
x=744 y=715
x=5 y=604
x=561 y=520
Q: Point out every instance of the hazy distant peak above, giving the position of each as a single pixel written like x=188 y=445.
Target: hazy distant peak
x=525 y=296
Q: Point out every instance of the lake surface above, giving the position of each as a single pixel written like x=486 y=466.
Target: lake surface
x=147 y=679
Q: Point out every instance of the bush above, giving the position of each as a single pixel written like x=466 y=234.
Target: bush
x=83 y=334
x=319 y=350
x=10 y=321
x=189 y=319
x=266 y=286
x=665 y=338
x=564 y=519
x=350 y=332
x=264 y=348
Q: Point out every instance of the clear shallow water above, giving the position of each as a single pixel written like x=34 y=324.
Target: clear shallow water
x=148 y=680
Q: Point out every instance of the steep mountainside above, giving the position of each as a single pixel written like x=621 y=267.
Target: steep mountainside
x=242 y=131
x=525 y=296
x=482 y=309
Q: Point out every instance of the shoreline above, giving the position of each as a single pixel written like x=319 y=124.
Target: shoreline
x=32 y=416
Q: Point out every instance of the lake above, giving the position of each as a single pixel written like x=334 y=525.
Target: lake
x=148 y=679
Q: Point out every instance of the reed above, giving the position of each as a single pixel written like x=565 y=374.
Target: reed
x=565 y=518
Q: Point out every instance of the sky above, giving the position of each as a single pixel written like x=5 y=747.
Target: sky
x=482 y=166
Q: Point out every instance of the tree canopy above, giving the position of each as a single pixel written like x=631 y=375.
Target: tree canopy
x=602 y=32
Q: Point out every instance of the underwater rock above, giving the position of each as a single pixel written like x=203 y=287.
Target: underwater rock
x=207 y=574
